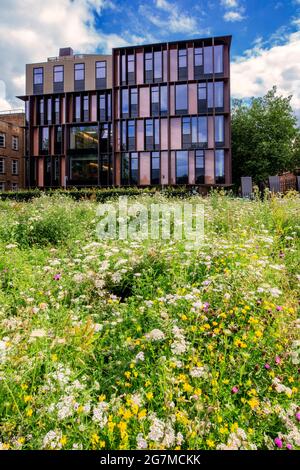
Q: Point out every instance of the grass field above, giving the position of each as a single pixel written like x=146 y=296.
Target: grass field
x=131 y=345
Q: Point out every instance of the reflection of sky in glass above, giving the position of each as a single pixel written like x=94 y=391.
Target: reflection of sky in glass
x=181 y=164
x=220 y=166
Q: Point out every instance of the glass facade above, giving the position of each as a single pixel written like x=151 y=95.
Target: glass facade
x=168 y=106
x=83 y=137
x=182 y=167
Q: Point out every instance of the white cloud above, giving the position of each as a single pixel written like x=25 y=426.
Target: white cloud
x=230 y=3
x=234 y=11
x=232 y=16
x=172 y=18
x=260 y=68
x=32 y=30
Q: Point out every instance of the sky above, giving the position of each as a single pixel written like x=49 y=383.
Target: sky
x=265 y=45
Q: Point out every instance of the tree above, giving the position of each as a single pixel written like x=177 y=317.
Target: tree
x=264 y=137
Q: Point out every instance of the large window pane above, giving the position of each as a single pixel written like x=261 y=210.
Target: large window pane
x=220 y=166
x=58 y=73
x=181 y=98
x=163 y=99
x=101 y=69
x=218 y=59
x=148 y=61
x=157 y=65
x=125 y=103
x=130 y=63
x=156 y=136
x=38 y=76
x=134 y=168
x=194 y=130
x=79 y=71
x=199 y=167
x=84 y=169
x=84 y=137
x=155 y=168
x=202 y=130
x=219 y=94
x=182 y=170
x=45 y=139
x=198 y=56
x=123 y=69
x=77 y=108
x=210 y=95
x=219 y=129
x=125 y=168
x=149 y=127
x=208 y=60
x=182 y=58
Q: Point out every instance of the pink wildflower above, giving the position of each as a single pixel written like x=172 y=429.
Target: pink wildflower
x=289 y=446
x=298 y=416
x=278 y=442
x=57 y=277
x=234 y=389
x=267 y=366
x=277 y=360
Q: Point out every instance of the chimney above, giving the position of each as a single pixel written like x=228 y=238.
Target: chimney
x=65 y=51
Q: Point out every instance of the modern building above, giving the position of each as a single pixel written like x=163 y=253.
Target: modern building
x=12 y=150
x=156 y=114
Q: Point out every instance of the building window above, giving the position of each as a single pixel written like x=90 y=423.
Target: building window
x=194 y=132
x=182 y=167
x=148 y=67
x=14 y=167
x=131 y=135
x=15 y=142
x=123 y=70
x=101 y=69
x=84 y=137
x=58 y=78
x=155 y=168
x=208 y=60
x=218 y=59
x=202 y=98
x=181 y=102
x=42 y=111
x=44 y=140
x=219 y=95
x=199 y=167
x=101 y=74
x=2 y=184
x=202 y=130
x=125 y=168
x=125 y=103
x=79 y=71
x=49 y=110
x=79 y=77
x=220 y=166
x=38 y=80
x=2 y=140
x=149 y=133
x=198 y=56
x=130 y=69
x=58 y=73
x=219 y=130
x=77 y=113
x=157 y=66
x=58 y=141
x=102 y=107
x=109 y=107
x=57 y=110
x=210 y=95
x=186 y=132
x=38 y=76
x=163 y=100
x=14 y=186
x=86 y=113
x=134 y=168
x=133 y=102
x=155 y=101
x=2 y=166
x=182 y=64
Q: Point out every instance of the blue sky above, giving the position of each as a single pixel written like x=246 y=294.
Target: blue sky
x=257 y=19
x=265 y=46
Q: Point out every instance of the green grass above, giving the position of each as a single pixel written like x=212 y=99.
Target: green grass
x=126 y=344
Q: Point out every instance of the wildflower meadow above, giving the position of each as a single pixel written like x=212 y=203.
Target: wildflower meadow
x=143 y=344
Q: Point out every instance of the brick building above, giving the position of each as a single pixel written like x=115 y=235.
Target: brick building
x=145 y=115
x=12 y=150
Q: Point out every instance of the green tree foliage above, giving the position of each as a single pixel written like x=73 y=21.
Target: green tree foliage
x=265 y=137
